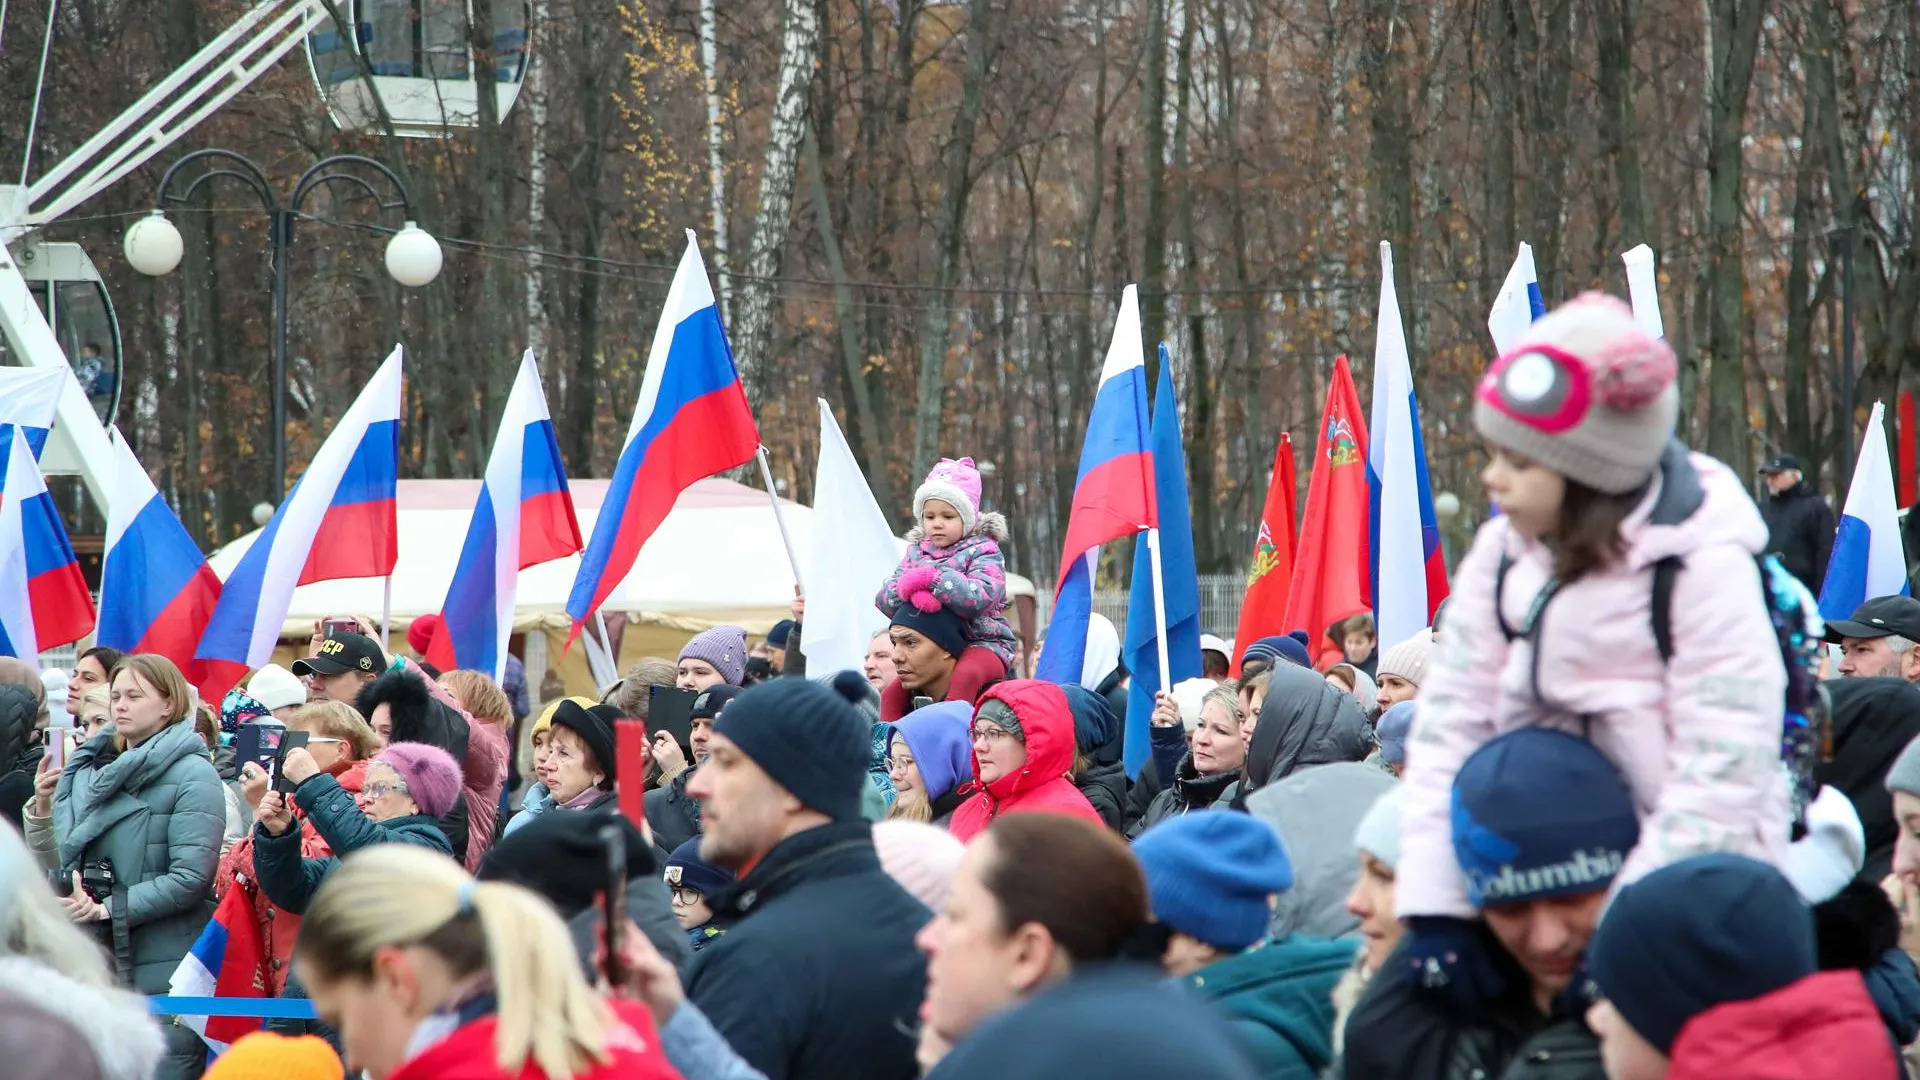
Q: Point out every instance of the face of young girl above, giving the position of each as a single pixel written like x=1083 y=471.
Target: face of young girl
x=1528 y=493
x=940 y=523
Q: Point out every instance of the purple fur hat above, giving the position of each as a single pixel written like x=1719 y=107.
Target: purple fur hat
x=431 y=775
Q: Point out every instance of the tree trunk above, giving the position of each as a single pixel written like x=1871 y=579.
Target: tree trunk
x=716 y=170
x=1199 y=431
x=1390 y=150
x=1800 y=307
x=753 y=333
x=1736 y=43
x=1153 y=185
x=957 y=185
x=1613 y=26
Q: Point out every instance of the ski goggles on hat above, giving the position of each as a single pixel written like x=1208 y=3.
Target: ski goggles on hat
x=1544 y=387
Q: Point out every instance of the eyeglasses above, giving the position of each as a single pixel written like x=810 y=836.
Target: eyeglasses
x=311 y=739
x=687 y=897
x=380 y=789
x=992 y=733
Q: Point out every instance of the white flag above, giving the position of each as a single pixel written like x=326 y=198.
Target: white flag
x=853 y=552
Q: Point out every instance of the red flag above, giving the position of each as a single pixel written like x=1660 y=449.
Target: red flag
x=1263 y=611
x=1330 y=571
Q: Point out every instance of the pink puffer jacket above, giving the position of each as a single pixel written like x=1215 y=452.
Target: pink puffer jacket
x=1697 y=739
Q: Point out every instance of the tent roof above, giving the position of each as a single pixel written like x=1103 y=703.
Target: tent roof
x=718 y=551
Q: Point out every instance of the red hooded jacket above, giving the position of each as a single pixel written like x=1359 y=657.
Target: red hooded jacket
x=469 y=1054
x=1824 y=1025
x=1042 y=785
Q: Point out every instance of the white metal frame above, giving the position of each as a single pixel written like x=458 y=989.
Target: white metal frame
x=226 y=66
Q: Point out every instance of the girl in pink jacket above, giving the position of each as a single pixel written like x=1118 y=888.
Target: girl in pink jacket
x=1550 y=622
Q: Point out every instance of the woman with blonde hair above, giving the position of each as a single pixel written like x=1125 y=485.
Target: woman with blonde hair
x=136 y=832
x=429 y=973
x=49 y=961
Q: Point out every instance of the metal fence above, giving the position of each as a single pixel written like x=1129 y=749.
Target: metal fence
x=1220 y=596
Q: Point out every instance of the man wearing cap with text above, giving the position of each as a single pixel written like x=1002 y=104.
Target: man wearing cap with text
x=342 y=664
x=1799 y=522
x=818 y=979
x=1878 y=640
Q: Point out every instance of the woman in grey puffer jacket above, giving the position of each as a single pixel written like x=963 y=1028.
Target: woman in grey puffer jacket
x=155 y=813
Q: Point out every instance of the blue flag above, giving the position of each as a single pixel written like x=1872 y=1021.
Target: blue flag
x=1179 y=579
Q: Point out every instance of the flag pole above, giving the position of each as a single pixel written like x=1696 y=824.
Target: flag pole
x=779 y=519
x=606 y=639
x=386 y=614
x=1159 y=610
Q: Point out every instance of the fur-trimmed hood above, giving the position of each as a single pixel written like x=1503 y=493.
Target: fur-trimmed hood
x=124 y=1037
x=418 y=716
x=992 y=525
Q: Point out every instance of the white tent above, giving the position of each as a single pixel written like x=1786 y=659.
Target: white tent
x=717 y=556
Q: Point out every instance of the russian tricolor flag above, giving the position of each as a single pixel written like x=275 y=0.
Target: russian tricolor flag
x=1516 y=307
x=157 y=592
x=224 y=962
x=1409 y=570
x=339 y=521
x=1113 y=497
x=1867 y=559
x=524 y=517
x=30 y=397
x=44 y=601
x=1643 y=286
x=692 y=421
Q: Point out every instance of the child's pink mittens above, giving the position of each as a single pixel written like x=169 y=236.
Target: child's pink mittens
x=925 y=601
x=917 y=579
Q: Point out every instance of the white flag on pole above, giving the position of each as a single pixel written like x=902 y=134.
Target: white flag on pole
x=853 y=551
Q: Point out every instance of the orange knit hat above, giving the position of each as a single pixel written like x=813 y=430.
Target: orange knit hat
x=266 y=1056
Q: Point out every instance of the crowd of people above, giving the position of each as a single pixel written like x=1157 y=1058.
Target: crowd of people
x=1561 y=834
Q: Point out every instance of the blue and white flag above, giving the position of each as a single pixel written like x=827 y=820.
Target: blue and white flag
x=1867 y=559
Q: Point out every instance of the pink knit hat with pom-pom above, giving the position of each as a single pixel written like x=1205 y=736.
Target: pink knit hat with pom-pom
x=956 y=483
x=1586 y=393
x=922 y=858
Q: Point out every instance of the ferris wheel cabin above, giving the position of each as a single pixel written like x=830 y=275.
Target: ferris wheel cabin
x=73 y=299
x=422 y=62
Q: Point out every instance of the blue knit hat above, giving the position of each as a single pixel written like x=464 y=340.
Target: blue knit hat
x=1210 y=874
x=1392 y=730
x=725 y=647
x=1279 y=647
x=686 y=869
x=1540 y=813
x=807 y=738
x=1702 y=932
x=777 y=637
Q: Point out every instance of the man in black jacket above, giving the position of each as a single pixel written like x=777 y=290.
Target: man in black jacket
x=1799 y=522
x=819 y=978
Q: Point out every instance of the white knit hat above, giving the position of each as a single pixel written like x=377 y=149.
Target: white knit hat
x=1408 y=659
x=1188 y=695
x=1830 y=855
x=922 y=858
x=276 y=687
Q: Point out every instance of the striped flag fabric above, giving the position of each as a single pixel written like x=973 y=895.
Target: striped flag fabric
x=1867 y=559
x=524 y=517
x=1517 y=304
x=44 y=600
x=1113 y=495
x=692 y=420
x=1409 y=568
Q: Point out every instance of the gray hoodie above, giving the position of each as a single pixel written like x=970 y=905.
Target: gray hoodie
x=1316 y=811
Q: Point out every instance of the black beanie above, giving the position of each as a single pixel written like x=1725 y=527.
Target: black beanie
x=1702 y=932
x=558 y=856
x=940 y=626
x=807 y=738
x=595 y=728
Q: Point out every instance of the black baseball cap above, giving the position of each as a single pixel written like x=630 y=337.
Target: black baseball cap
x=711 y=700
x=1880 y=617
x=340 y=652
x=1780 y=464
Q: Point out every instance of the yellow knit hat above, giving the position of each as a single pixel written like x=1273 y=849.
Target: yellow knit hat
x=546 y=715
x=267 y=1056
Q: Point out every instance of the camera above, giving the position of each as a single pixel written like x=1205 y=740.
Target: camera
x=96 y=879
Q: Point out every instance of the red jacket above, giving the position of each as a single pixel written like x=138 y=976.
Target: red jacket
x=1043 y=786
x=277 y=928
x=468 y=1054
x=1825 y=1025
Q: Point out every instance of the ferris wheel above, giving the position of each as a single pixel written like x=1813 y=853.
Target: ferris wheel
x=402 y=65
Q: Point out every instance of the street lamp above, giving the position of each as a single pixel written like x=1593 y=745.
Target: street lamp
x=153 y=247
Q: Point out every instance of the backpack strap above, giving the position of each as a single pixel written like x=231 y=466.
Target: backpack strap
x=1664 y=573
x=1500 y=594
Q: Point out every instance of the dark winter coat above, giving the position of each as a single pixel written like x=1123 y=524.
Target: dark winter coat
x=1096 y=729
x=1800 y=531
x=1401 y=1032
x=18 y=750
x=1304 y=721
x=671 y=813
x=1189 y=791
x=290 y=880
x=1873 y=720
x=1279 y=998
x=818 y=979
x=1105 y=786
x=157 y=812
x=420 y=717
